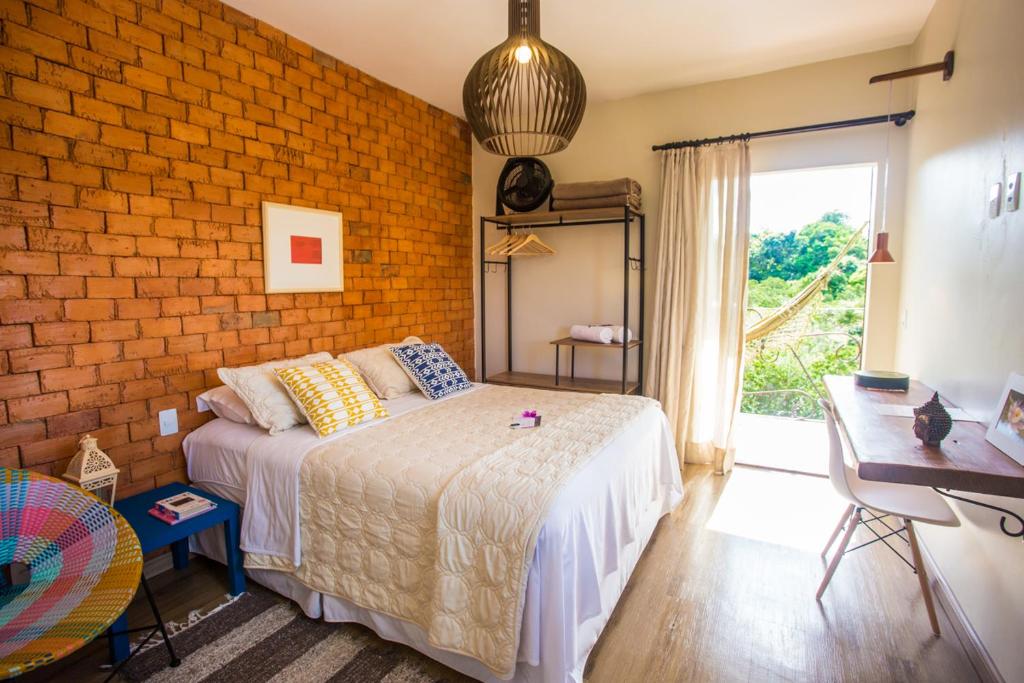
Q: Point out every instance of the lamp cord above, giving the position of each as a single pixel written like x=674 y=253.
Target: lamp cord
x=885 y=177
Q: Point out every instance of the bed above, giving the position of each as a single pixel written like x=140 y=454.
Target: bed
x=298 y=499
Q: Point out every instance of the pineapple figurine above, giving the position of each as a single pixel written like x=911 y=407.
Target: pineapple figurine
x=932 y=422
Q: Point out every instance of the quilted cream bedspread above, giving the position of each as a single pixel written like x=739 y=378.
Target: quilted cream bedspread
x=433 y=516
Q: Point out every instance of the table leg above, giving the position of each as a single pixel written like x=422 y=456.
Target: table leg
x=179 y=552
x=557 y=354
x=236 y=575
x=118 y=643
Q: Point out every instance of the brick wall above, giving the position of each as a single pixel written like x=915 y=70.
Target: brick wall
x=137 y=140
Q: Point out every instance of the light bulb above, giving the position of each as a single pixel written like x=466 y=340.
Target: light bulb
x=524 y=54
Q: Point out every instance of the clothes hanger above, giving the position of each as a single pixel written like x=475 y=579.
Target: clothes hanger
x=498 y=247
x=531 y=245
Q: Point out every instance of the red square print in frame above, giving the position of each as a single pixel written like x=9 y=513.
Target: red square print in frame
x=307 y=249
x=302 y=249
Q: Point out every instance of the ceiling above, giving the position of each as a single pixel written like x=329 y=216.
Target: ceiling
x=623 y=47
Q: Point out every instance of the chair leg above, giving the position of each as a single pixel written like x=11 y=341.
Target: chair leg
x=839 y=527
x=851 y=526
x=922 y=577
x=160 y=623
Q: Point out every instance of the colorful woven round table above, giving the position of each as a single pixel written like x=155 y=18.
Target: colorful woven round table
x=83 y=565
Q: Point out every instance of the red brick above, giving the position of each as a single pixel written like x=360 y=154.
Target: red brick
x=122 y=371
x=36 y=407
x=21 y=163
x=29 y=311
x=29 y=263
x=73 y=423
x=89 y=310
x=114 y=330
x=61 y=379
x=16 y=386
x=81 y=264
x=71 y=126
x=138 y=308
x=144 y=348
x=160 y=327
x=26 y=432
x=94 y=397
x=55 y=286
x=110 y=287
x=94 y=354
x=123 y=413
x=48 y=450
x=143 y=389
x=22 y=38
x=48 y=334
x=41 y=358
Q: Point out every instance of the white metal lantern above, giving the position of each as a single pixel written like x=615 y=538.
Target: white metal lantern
x=93 y=470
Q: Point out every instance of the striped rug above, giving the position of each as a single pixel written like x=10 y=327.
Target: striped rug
x=263 y=637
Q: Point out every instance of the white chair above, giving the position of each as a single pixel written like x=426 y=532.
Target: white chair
x=881 y=500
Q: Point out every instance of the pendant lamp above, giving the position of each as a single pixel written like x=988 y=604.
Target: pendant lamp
x=881 y=253
x=524 y=97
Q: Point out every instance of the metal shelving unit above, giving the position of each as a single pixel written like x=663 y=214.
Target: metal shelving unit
x=626 y=217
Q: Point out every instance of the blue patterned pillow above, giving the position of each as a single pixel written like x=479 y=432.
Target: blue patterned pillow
x=431 y=369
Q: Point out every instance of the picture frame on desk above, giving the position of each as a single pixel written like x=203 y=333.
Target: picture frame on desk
x=1007 y=429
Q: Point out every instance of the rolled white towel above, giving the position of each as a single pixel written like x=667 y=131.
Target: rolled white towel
x=591 y=333
x=617 y=333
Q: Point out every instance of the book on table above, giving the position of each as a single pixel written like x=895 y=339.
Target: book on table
x=183 y=506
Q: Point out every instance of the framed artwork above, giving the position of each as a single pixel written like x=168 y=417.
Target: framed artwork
x=302 y=249
x=1007 y=429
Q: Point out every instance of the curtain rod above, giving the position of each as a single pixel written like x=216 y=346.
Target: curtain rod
x=899 y=118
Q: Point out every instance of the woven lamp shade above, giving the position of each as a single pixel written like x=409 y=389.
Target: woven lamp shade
x=524 y=97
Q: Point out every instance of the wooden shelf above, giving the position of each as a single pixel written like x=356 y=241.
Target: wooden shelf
x=572 y=217
x=569 y=341
x=535 y=381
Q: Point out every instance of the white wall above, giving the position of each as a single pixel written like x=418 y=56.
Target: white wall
x=963 y=279
x=583 y=283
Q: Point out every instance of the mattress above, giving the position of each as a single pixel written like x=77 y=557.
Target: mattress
x=589 y=543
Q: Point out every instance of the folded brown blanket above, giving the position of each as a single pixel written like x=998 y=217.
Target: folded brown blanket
x=595 y=188
x=619 y=200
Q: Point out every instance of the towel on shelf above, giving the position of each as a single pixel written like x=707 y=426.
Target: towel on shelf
x=591 y=333
x=617 y=333
x=633 y=201
x=600 y=334
x=596 y=188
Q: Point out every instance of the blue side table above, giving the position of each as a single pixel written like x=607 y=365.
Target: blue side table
x=154 y=534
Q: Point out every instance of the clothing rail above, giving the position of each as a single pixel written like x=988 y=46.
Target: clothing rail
x=899 y=118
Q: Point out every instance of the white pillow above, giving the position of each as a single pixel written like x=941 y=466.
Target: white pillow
x=263 y=393
x=225 y=403
x=381 y=371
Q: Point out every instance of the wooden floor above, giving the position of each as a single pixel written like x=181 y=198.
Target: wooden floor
x=725 y=592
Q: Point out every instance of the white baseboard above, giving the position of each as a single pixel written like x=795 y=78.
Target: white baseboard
x=158 y=565
x=972 y=644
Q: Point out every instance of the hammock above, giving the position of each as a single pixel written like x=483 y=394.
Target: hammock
x=792 y=308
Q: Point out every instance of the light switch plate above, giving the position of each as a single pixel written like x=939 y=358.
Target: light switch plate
x=995 y=200
x=168 y=421
x=1013 y=191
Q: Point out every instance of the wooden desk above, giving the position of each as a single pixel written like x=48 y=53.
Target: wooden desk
x=886 y=449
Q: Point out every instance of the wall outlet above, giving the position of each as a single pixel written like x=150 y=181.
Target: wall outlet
x=1013 y=191
x=168 y=421
x=995 y=200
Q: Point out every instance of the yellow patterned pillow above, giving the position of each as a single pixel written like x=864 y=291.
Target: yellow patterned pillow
x=331 y=395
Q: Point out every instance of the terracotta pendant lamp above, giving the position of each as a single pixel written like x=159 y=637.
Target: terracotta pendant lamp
x=524 y=97
x=881 y=253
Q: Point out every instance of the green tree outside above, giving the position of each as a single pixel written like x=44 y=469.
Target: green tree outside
x=782 y=264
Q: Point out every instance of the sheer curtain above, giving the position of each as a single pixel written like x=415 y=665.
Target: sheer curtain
x=696 y=361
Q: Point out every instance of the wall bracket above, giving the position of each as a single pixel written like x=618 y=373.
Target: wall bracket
x=945 y=66
x=1002 y=521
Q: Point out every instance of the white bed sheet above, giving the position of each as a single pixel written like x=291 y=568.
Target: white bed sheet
x=588 y=546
